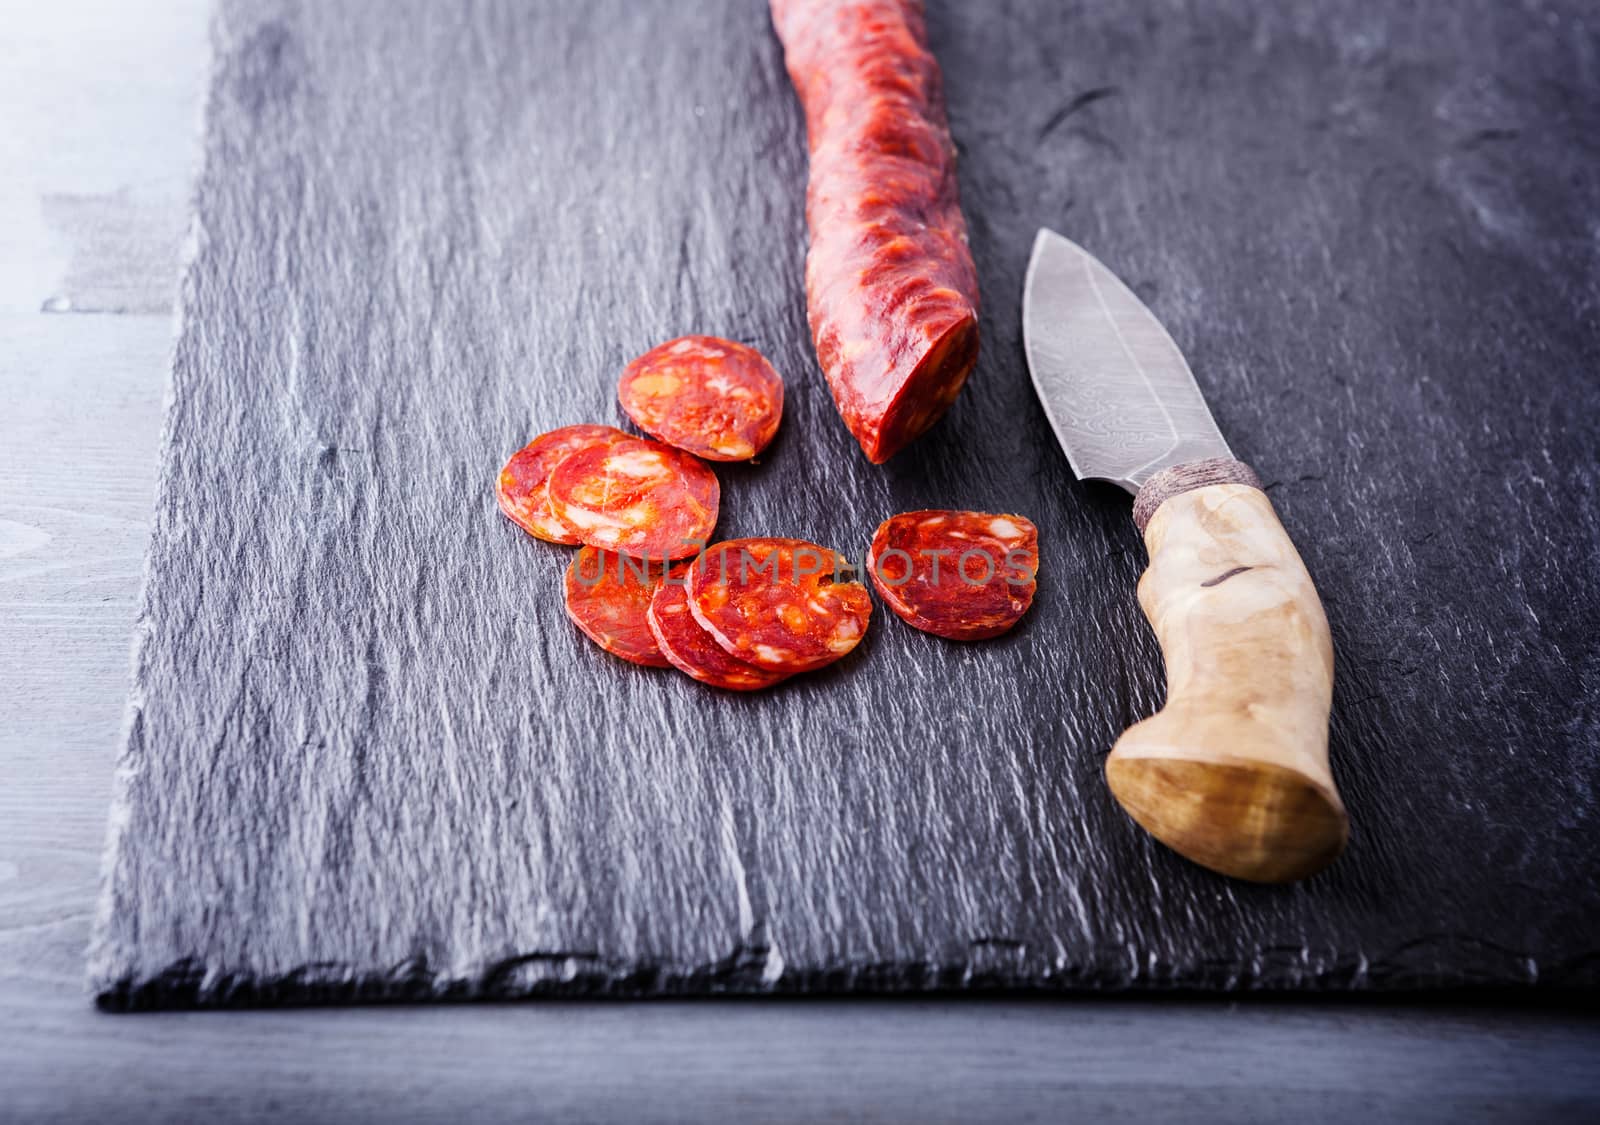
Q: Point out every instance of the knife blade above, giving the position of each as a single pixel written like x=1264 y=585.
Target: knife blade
x=1117 y=390
x=1233 y=771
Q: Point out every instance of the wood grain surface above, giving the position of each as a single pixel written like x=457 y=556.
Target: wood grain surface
x=83 y=398
x=1232 y=772
x=368 y=757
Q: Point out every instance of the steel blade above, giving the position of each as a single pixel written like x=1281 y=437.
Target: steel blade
x=1116 y=389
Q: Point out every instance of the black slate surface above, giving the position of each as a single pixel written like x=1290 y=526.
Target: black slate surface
x=367 y=755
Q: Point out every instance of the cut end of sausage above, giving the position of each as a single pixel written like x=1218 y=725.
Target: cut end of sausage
x=926 y=394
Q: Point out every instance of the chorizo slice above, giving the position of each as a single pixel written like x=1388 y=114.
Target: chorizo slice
x=962 y=575
x=522 y=486
x=608 y=597
x=692 y=650
x=712 y=397
x=891 y=290
x=781 y=604
x=637 y=497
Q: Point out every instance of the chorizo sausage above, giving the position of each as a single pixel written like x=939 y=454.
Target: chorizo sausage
x=891 y=290
x=781 y=604
x=692 y=650
x=712 y=397
x=522 y=486
x=608 y=596
x=637 y=497
x=962 y=575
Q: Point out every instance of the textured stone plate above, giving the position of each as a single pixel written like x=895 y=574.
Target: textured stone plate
x=368 y=756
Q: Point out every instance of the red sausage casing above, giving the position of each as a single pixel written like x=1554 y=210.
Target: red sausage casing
x=891 y=291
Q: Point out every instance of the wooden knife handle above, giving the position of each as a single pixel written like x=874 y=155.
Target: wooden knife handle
x=1233 y=771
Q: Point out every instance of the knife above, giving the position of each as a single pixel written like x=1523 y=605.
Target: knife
x=1233 y=771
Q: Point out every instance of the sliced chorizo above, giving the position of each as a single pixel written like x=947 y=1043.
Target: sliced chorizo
x=962 y=575
x=781 y=604
x=522 y=486
x=608 y=597
x=637 y=497
x=692 y=650
x=712 y=397
x=891 y=290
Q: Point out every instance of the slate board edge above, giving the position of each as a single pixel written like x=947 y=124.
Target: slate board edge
x=131 y=748
x=745 y=972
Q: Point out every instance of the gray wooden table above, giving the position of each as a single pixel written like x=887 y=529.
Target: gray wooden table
x=99 y=105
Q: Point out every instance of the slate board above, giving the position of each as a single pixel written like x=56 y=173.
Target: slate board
x=367 y=757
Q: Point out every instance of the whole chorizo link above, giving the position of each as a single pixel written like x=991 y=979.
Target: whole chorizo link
x=891 y=291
